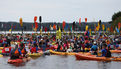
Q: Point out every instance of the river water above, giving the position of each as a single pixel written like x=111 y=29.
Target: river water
x=59 y=62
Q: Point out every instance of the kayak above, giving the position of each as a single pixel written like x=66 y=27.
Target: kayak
x=65 y=53
x=1 y=48
x=115 y=51
x=12 y=61
x=94 y=57
x=34 y=54
x=1 y=55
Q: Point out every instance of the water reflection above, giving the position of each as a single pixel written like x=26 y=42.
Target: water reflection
x=104 y=65
x=59 y=62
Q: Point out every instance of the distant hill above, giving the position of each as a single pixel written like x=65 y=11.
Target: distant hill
x=27 y=26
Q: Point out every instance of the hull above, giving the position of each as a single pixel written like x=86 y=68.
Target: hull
x=93 y=57
x=115 y=51
x=65 y=53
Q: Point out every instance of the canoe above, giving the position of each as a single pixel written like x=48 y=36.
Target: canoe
x=12 y=61
x=115 y=51
x=95 y=58
x=65 y=53
x=34 y=54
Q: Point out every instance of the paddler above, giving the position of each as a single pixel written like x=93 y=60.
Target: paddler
x=23 y=49
x=34 y=48
x=6 y=50
x=15 y=53
x=94 y=49
x=105 y=52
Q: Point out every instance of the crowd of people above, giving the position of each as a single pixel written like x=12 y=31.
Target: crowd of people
x=33 y=43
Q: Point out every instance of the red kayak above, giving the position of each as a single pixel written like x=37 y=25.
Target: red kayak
x=15 y=61
x=21 y=60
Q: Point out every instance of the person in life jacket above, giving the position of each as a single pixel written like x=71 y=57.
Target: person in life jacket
x=105 y=52
x=6 y=50
x=15 y=53
x=23 y=49
x=34 y=48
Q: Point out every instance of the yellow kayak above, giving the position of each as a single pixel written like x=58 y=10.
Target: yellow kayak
x=1 y=55
x=65 y=53
x=1 y=48
x=34 y=54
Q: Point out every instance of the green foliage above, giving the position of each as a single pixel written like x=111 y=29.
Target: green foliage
x=116 y=18
x=116 y=15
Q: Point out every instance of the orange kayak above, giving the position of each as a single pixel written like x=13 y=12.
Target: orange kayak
x=94 y=57
x=115 y=51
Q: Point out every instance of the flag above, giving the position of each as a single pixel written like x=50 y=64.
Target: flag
x=97 y=28
x=40 y=31
x=54 y=26
x=90 y=32
x=111 y=29
x=86 y=27
x=85 y=20
x=50 y=27
x=64 y=24
x=35 y=18
x=71 y=28
x=45 y=29
x=98 y=25
x=119 y=26
x=79 y=20
x=21 y=23
x=14 y=27
x=10 y=30
x=117 y=30
x=103 y=27
x=59 y=31
x=108 y=29
x=36 y=25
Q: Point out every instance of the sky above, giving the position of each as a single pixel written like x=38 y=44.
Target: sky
x=58 y=10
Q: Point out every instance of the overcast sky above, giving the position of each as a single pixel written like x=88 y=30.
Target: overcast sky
x=58 y=10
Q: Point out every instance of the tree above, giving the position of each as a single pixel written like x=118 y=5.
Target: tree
x=116 y=18
x=116 y=15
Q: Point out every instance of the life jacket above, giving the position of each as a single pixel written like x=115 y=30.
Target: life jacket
x=33 y=50
x=108 y=54
x=61 y=48
x=16 y=53
x=23 y=51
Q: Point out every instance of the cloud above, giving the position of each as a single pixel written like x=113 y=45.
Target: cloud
x=58 y=10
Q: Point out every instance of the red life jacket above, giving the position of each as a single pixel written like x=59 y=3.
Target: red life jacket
x=23 y=51
x=33 y=50
x=16 y=53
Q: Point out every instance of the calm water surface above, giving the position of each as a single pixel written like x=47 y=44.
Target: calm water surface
x=59 y=62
